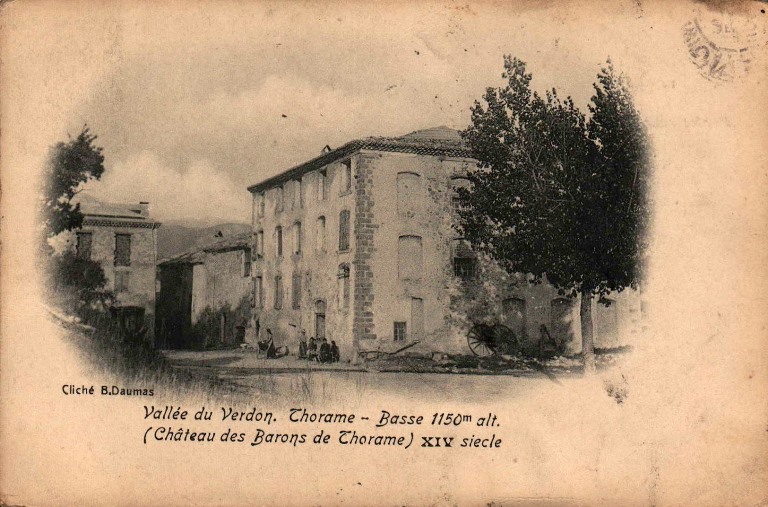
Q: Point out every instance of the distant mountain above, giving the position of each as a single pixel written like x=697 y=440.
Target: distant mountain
x=175 y=237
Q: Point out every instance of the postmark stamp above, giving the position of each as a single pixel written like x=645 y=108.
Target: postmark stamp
x=721 y=46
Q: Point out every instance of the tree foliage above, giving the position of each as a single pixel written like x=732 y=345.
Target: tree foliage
x=76 y=284
x=555 y=195
x=69 y=165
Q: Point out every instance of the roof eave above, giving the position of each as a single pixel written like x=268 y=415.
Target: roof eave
x=373 y=144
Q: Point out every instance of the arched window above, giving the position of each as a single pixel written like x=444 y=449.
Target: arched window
x=258 y=247
x=409 y=258
x=279 y=198
x=344 y=230
x=319 y=318
x=296 y=291
x=298 y=197
x=408 y=193
x=344 y=288
x=320 y=235
x=278 y=292
x=297 y=238
x=322 y=185
x=346 y=176
x=279 y=241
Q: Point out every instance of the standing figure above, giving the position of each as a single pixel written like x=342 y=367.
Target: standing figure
x=334 y=352
x=302 y=344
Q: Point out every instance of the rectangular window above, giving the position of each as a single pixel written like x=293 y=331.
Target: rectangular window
x=279 y=199
x=322 y=185
x=464 y=260
x=84 y=242
x=344 y=230
x=296 y=291
x=122 y=249
x=465 y=268
x=410 y=262
x=121 y=281
x=457 y=183
x=279 y=241
x=258 y=292
x=262 y=204
x=346 y=176
x=400 y=332
x=278 y=292
x=246 y=263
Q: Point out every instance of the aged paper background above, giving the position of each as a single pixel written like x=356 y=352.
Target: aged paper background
x=694 y=427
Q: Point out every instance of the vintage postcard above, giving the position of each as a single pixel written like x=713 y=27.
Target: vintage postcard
x=397 y=253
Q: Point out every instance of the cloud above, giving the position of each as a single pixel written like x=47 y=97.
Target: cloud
x=196 y=191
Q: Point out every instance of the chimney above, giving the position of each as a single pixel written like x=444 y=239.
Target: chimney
x=142 y=209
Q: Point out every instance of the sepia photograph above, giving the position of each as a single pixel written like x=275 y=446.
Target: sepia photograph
x=340 y=253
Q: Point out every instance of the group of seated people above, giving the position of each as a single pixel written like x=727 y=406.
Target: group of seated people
x=318 y=350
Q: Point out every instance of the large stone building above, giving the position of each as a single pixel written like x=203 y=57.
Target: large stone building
x=204 y=297
x=358 y=245
x=122 y=238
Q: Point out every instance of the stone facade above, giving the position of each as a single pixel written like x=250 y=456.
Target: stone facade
x=122 y=238
x=204 y=299
x=409 y=281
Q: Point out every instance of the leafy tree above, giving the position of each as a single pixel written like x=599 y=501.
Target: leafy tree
x=77 y=284
x=69 y=165
x=556 y=195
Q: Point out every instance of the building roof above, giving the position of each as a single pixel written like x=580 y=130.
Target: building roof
x=196 y=255
x=98 y=212
x=440 y=141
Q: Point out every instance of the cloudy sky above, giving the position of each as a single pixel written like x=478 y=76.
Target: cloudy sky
x=193 y=106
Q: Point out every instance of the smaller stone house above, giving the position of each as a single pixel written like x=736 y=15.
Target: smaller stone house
x=203 y=300
x=122 y=238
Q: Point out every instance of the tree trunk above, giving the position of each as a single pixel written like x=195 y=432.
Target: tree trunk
x=587 y=333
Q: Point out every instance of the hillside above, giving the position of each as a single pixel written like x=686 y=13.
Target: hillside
x=174 y=238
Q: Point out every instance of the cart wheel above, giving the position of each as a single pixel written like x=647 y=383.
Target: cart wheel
x=505 y=340
x=479 y=341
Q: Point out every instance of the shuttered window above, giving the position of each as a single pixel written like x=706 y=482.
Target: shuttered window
x=84 y=243
x=122 y=249
x=122 y=279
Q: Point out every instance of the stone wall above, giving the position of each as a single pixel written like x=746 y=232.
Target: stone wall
x=317 y=268
x=141 y=272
